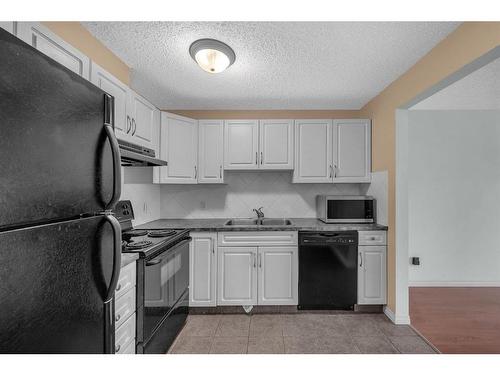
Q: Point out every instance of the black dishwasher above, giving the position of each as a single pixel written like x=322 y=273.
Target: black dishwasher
x=328 y=270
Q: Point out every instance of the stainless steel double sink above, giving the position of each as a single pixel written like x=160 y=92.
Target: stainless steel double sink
x=257 y=222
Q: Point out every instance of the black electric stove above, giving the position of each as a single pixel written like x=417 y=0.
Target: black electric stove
x=162 y=280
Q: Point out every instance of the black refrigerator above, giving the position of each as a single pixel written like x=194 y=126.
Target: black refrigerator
x=60 y=246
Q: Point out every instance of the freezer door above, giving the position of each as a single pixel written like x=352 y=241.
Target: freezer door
x=56 y=287
x=56 y=154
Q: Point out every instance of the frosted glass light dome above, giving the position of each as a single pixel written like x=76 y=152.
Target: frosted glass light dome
x=212 y=55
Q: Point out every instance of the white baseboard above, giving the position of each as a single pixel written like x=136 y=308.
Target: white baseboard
x=396 y=319
x=463 y=284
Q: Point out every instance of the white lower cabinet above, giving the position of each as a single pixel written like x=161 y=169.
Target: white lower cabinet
x=203 y=269
x=278 y=275
x=257 y=268
x=372 y=270
x=237 y=276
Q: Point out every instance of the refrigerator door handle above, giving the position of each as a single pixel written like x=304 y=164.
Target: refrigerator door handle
x=115 y=150
x=117 y=252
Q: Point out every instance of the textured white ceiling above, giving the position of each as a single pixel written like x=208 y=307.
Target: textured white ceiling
x=279 y=65
x=479 y=90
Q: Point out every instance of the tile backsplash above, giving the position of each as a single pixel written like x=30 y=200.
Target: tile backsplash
x=244 y=191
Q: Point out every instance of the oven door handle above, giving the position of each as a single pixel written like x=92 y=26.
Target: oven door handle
x=169 y=251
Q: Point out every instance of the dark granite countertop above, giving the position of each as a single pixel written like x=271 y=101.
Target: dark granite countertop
x=217 y=225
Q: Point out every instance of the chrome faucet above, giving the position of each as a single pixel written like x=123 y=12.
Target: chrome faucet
x=259 y=212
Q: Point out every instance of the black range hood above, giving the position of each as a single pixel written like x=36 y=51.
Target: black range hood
x=138 y=156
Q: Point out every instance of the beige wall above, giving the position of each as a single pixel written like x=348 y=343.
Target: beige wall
x=266 y=114
x=79 y=37
x=467 y=43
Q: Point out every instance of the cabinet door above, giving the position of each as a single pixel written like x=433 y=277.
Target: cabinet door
x=211 y=151
x=53 y=46
x=143 y=116
x=203 y=269
x=179 y=147
x=276 y=144
x=351 y=150
x=313 y=151
x=237 y=276
x=113 y=86
x=9 y=26
x=278 y=276
x=241 y=144
x=372 y=271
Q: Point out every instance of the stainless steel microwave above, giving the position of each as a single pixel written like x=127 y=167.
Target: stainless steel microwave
x=345 y=208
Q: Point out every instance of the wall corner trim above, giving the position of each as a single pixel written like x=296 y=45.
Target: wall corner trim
x=396 y=319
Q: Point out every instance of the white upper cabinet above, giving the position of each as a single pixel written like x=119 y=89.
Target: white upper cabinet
x=278 y=275
x=241 y=144
x=237 y=276
x=53 y=46
x=113 y=86
x=211 y=151
x=203 y=269
x=9 y=26
x=372 y=270
x=179 y=147
x=144 y=119
x=276 y=144
x=351 y=150
x=313 y=151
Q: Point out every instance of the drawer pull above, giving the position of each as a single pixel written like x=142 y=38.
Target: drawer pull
x=118 y=287
x=117 y=348
x=118 y=317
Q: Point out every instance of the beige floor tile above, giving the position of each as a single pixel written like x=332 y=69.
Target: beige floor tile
x=313 y=325
x=374 y=345
x=192 y=345
x=361 y=325
x=411 y=345
x=266 y=345
x=229 y=345
x=201 y=325
x=320 y=345
x=266 y=325
x=233 y=326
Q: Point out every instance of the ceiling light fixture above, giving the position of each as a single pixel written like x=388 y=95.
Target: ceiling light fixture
x=212 y=55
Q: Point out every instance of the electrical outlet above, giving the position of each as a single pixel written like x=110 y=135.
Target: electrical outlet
x=415 y=261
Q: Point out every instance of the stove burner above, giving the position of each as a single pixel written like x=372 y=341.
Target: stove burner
x=135 y=233
x=161 y=233
x=139 y=245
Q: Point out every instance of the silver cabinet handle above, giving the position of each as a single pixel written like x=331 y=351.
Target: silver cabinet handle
x=119 y=286
x=254 y=261
x=220 y=171
x=331 y=171
x=261 y=158
x=117 y=318
x=213 y=245
x=195 y=172
x=334 y=170
x=129 y=125
x=135 y=126
x=117 y=348
x=360 y=259
x=256 y=158
x=260 y=260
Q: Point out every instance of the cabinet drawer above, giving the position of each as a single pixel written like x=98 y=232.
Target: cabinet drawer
x=373 y=238
x=125 y=335
x=126 y=280
x=124 y=307
x=129 y=349
x=273 y=238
